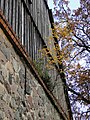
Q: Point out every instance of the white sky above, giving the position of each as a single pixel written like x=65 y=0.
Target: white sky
x=50 y=3
x=74 y=4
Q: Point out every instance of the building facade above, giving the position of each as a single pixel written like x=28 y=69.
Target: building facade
x=25 y=26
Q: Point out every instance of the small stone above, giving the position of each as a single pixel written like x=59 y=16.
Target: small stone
x=30 y=101
x=9 y=67
x=13 y=104
x=10 y=78
x=2 y=115
x=6 y=118
x=28 y=89
x=7 y=87
x=40 y=102
x=17 y=116
x=6 y=51
x=17 y=100
x=22 y=74
x=16 y=65
x=14 y=88
x=21 y=92
x=24 y=117
x=29 y=116
x=41 y=113
x=5 y=97
x=17 y=78
x=2 y=89
x=3 y=71
x=2 y=57
x=1 y=78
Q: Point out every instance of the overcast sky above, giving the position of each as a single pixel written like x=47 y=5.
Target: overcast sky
x=74 y=4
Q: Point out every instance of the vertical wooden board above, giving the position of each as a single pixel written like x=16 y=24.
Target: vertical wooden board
x=45 y=25
x=16 y=19
x=39 y=17
x=48 y=23
x=13 y=14
x=26 y=33
x=34 y=15
x=2 y=4
x=29 y=4
x=36 y=48
x=25 y=1
x=37 y=44
x=22 y=33
x=32 y=40
x=40 y=46
x=33 y=52
x=6 y=9
x=25 y=27
x=24 y=37
x=10 y=11
x=20 y=19
x=34 y=44
x=30 y=33
x=44 y=22
x=33 y=10
x=37 y=10
x=28 y=38
x=41 y=20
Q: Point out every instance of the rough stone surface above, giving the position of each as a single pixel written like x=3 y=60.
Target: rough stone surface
x=14 y=103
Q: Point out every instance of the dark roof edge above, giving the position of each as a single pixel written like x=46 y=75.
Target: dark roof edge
x=49 y=12
x=65 y=90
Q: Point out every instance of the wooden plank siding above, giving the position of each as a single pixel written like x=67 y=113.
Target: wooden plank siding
x=30 y=22
x=18 y=13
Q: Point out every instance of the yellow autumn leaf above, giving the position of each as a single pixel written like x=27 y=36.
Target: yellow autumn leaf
x=78 y=66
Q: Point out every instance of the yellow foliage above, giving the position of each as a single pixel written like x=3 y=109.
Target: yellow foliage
x=78 y=66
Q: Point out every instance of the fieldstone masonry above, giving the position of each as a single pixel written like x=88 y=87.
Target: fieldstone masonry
x=14 y=103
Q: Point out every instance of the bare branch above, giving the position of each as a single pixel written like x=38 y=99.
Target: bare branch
x=78 y=94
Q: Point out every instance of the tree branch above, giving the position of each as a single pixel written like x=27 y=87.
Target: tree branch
x=84 y=45
x=78 y=94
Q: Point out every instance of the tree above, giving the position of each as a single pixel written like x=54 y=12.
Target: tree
x=72 y=30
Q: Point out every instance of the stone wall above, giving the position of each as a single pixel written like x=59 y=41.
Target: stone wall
x=18 y=102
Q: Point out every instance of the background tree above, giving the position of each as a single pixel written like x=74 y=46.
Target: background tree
x=72 y=29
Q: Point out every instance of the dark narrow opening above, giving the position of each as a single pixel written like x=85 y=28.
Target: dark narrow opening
x=25 y=81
